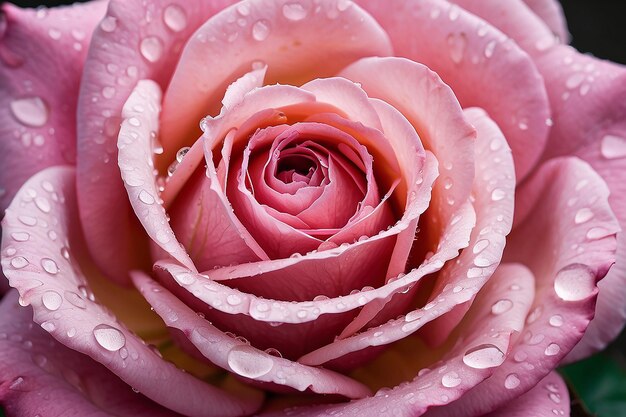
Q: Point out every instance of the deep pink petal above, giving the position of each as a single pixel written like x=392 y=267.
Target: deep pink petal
x=40 y=246
x=140 y=121
x=482 y=346
x=136 y=40
x=482 y=66
x=38 y=117
x=493 y=191
x=566 y=266
x=40 y=376
x=279 y=34
x=548 y=398
x=238 y=357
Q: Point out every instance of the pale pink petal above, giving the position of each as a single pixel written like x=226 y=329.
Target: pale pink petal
x=39 y=375
x=493 y=190
x=551 y=12
x=553 y=244
x=38 y=117
x=140 y=116
x=136 y=40
x=279 y=34
x=238 y=357
x=40 y=246
x=548 y=398
x=484 y=68
x=482 y=346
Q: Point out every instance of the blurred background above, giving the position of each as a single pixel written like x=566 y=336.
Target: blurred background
x=597 y=384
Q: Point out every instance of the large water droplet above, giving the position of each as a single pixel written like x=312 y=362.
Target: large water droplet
x=574 y=80
x=583 y=215
x=109 y=337
x=108 y=24
x=175 y=17
x=498 y=194
x=456 y=44
x=30 y=111
x=613 y=147
x=151 y=48
x=483 y=357
x=501 y=306
x=49 y=265
x=261 y=30
x=145 y=197
x=294 y=11
x=556 y=320
x=574 y=282
x=552 y=349
x=19 y=262
x=249 y=362
x=20 y=236
x=51 y=300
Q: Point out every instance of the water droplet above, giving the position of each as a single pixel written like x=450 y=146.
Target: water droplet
x=71 y=332
x=574 y=80
x=260 y=30
x=483 y=357
x=456 y=45
x=613 y=147
x=20 y=236
x=512 y=381
x=552 y=349
x=175 y=18
x=146 y=198
x=233 y=299
x=556 y=321
x=243 y=9
x=185 y=278
x=294 y=11
x=151 y=48
x=48 y=326
x=434 y=14
x=54 y=34
x=598 y=233
x=49 y=266
x=574 y=282
x=583 y=215
x=108 y=24
x=501 y=306
x=480 y=246
x=490 y=48
x=43 y=204
x=108 y=92
x=498 y=194
x=454 y=13
x=248 y=362
x=109 y=337
x=30 y=111
x=482 y=262
x=51 y=300
x=450 y=380
x=19 y=262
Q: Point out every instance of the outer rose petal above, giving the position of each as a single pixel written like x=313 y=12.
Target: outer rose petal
x=287 y=40
x=40 y=246
x=133 y=42
x=458 y=371
x=483 y=67
x=34 y=368
x=546 y=399
x=37 y=117
x=551 y=12
x=566 y=266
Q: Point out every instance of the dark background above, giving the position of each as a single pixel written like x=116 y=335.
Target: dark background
x=598 y=384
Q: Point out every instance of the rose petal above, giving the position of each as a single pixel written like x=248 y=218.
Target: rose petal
x=565 y=278
x=35 y=368
x=473 y=358
x=493 y=190
x=281 y=35
x=135 y=150
x=239 y=357
x=548 y=398
x=38 y=118
x=39 y=260
x=123 y=52
x=482 y=66
x=551 y=12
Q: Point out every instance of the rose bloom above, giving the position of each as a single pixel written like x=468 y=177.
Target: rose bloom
x=305 y=208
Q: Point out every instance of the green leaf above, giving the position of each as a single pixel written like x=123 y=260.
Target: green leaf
x=598 y=385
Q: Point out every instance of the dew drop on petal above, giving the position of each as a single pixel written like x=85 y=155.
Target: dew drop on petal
x=574 y=282
x=294 y=11
x=145 y=197
x=498 y=194
x=109 y=337
x=490 y=48
x=583 y=215
x=175 y=17
x=450 y=380
x=49 y=265
x=19 y=262
x=30 y=111
x=483 y=357
x=456 y=46
x=613 y=147
x=151 y=48
x=51 y=300
x=501 y=306
x=248 y=362
x=20 y=236
x=556 y=320
x=260 y=30
x=552 y=349
x=108 y=24
x=512 y=381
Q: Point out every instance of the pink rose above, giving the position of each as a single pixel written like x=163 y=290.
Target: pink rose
x=313 y=196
